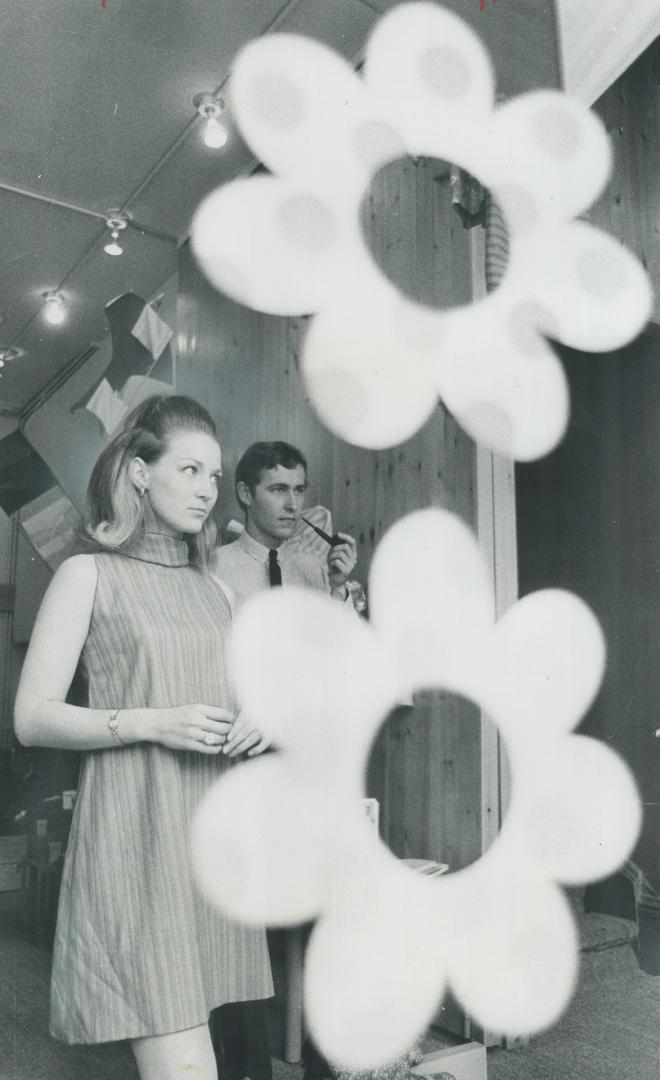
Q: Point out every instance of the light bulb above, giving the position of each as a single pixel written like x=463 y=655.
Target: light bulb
x=113 y=247
x=215 y=134
x=55 y=312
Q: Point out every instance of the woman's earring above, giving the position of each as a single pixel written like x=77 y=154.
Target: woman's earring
x=141 y=492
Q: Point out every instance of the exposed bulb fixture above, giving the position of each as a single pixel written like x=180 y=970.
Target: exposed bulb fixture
x=210 y=107
x=7 y=355
x=113 y=247
x=215 y=134
x=116 y=220
x=54 y=310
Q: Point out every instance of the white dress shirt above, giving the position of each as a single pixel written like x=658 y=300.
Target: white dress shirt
x=243 y=566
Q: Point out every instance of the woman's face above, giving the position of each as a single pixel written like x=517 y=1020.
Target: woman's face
x=182 y=485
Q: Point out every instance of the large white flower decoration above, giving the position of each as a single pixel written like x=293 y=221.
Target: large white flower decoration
x=290 y=243
x=284 y=838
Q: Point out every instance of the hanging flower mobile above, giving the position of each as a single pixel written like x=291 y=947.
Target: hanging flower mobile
x=284 y=839
x=291 y=243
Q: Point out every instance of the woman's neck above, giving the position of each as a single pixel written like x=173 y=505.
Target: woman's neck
x=155 y=524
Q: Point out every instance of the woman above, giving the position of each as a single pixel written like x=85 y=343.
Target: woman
x=139 y=954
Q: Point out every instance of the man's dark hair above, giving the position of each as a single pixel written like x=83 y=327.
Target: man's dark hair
x=266 y=455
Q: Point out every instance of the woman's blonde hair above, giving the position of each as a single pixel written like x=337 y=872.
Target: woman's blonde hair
x=115 y=510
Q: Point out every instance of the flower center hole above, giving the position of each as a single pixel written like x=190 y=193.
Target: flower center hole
x=439 y=772
x=418 y=218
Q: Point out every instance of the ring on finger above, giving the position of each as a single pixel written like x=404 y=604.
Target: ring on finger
x=210 y=739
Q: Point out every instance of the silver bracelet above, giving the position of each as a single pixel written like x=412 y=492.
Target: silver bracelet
x=113 y=724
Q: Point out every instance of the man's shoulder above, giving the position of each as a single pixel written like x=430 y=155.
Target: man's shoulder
x=229 y=551
x=229 y=555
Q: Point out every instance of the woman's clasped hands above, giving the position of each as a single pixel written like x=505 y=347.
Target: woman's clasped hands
x=203 y=728
x=244 y=737
x=208 y=729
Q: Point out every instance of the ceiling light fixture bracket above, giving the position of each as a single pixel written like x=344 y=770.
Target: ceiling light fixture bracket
x=209 y=105
x=12 y=353
x=116 y=220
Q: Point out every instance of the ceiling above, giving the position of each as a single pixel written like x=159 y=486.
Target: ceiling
x=97 y=114
x=600 y=39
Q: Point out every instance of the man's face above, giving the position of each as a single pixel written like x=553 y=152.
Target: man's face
x=273 y=510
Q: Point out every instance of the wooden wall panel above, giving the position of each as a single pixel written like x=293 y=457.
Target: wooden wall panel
x=425 y=770
x=630 y=205
x=589 y=521
x=589 y=514
x=245 y=366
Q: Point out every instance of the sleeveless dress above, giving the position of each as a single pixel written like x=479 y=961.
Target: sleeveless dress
x=138 y=950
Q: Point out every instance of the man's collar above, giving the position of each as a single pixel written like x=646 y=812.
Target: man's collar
x=253 y=547
x=259 y=552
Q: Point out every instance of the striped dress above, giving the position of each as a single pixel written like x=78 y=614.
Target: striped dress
x=138 y=951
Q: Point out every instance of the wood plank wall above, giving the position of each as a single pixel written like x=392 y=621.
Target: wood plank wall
x=244 y=366
x=630 y=206
x=589 y=521
x=589 y=514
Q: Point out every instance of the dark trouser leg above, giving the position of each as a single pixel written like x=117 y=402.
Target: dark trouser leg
x=239 y=1029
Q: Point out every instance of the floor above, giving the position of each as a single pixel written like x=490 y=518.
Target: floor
x=27 y=1052
x=610 y=1032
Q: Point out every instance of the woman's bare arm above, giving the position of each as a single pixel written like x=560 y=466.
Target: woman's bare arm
x=42 y=716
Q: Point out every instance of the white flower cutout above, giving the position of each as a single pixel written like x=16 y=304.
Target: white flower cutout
x=291 y=243
x=284 y=838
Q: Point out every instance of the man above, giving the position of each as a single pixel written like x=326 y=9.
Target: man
x=271 y=480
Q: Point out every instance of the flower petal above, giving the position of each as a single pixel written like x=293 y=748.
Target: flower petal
x=597 y=291
x=270 y=245
x=260 y=844
x=374 y=973
x=430 y=599
x=500 y=379
x=432 y=76
x=306 y=114
x=514 y=949
x=322 y=687
x=548 y=153
x=545 y=664
x=581 y=812
x=368 y=384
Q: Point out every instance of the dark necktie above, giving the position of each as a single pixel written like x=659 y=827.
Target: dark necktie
x=274 y=569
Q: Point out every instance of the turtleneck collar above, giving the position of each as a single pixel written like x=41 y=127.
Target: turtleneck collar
x=160 y=548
